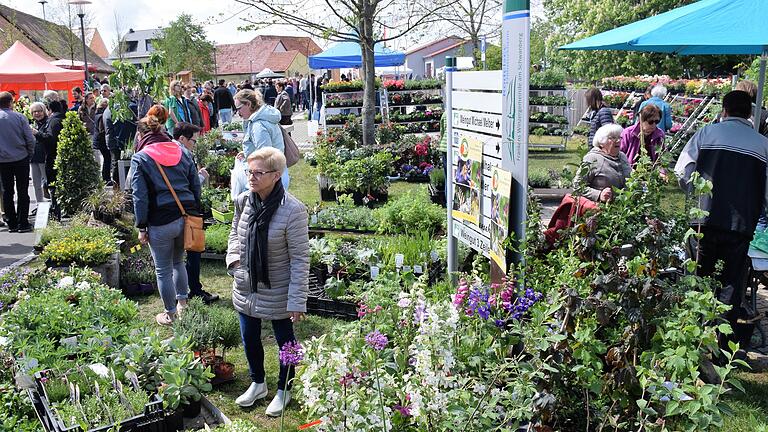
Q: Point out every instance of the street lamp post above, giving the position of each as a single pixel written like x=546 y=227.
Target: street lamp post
x=215 y=67
x=80 y=4
x=42 y=3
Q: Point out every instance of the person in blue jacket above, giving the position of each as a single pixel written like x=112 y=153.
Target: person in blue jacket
x=658 y=93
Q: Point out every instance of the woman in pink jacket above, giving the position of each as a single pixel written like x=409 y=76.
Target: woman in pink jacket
x=646 y=131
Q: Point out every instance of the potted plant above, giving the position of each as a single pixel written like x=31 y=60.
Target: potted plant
x=137 y=274
x=222 y=211
x=77 y=173
x=217 y=239
x=184 y=378
x=106 y=204
x=85 y=247
x=437 y=186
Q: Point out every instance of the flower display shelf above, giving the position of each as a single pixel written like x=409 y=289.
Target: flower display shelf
x=223 y=217
x=347 y=100
x=152 y=420
x=552 y=137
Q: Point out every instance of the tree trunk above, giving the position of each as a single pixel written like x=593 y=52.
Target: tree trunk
x=369 y=76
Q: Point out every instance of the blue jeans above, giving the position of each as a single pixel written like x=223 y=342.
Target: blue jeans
x=225 y=115
x=250 y=330
x=166 y=242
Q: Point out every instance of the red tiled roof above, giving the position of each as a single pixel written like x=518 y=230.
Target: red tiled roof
x=429 y=44
x=280 y=61
x=302 y=44
x=448 y=48
x=234 y=59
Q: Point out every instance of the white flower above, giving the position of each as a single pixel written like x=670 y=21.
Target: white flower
x=404 y=301
x=478 y=388
x=66 y=281
x=83 y=286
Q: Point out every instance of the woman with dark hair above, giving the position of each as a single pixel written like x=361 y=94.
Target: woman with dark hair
x=283 y=104
x=55 y=119
x=205 y=112
x=599 y=114
x=99 y=141
x=87 y=113
x=644 y=134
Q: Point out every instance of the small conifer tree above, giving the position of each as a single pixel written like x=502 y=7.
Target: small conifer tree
x=77 y=174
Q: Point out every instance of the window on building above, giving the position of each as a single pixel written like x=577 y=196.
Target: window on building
x=148 y=45
x=131 y=46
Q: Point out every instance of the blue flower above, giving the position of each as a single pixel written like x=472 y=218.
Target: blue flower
x=478 y=303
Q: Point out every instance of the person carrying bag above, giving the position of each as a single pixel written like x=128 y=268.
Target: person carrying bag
x=167 y=217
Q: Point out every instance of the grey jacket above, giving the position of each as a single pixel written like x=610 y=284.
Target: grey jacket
x=16 y=140
x=604 y=171
x=288 y=250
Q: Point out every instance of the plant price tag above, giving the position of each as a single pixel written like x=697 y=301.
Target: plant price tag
x=399 y=258
x=314 y=219
x=417 y=269
x=406 y=268
x=374 y=272
x=434 y=255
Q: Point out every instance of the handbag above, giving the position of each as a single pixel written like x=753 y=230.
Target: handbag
x=291 y=149
x=194 y=235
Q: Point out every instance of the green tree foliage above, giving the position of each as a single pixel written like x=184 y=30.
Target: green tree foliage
x=572 y=20
x=146 y=82
x=186 y=48
x=77 y=174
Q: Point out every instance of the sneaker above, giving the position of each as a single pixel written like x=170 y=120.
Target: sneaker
x=13 y=229
x=26 y=229
x=165 y=318
x=255 y=392
x=280 y=401
x=207 y=297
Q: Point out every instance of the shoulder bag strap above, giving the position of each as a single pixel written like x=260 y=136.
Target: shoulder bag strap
x=173 y=192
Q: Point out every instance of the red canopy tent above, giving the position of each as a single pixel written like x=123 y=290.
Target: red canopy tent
x=22 y=69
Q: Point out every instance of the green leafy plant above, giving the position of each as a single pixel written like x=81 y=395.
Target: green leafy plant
x=410 y=213
x=137 y=268
x=76 y=171
x=81 y=245
x=184 y=378
x=217 y=238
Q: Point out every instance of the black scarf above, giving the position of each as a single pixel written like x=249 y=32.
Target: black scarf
x=258 y=231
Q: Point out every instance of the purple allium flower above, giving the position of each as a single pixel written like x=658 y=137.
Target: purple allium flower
x=291 y=354
x=376 y=340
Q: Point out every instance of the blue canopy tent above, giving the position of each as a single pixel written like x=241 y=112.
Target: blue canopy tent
x=348 y=55
x=705 y=27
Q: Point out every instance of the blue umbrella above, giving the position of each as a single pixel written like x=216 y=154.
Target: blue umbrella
x=348 y=55
x=704 y=27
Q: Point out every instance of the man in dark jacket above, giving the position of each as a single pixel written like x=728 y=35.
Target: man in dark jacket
x=17 y=145
x=55 y=119
x=223 y=102
x=734 y=157
x=119 y=134
x=99 y=140
x=191 y=106
x=270 y=93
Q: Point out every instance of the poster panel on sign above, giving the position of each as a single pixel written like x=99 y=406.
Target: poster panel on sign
x=501 y=187
x=468 y=181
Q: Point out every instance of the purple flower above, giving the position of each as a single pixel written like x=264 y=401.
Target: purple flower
x=478 y=303
x=376 y=340
x=291 y=354
x=523 y=303
x=404 y=411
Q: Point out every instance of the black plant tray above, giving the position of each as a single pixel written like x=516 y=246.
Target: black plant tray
x=152 y=420
x=331 y=308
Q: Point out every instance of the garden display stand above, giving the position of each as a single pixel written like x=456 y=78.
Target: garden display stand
x=355 y=106
x=402 y=101
x=693 y=122
x=553 y=130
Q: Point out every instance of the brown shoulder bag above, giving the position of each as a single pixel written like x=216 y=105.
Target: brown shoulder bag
x=194 y=235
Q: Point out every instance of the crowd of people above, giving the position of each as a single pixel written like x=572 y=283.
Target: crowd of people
x=731 y=153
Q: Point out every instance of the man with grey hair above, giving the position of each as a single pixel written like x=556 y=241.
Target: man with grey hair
x=604 y=167
x=658 y=93
x=17 y=145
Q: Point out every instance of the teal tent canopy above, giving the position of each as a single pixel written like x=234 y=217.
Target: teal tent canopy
x=705 y=27
x=348 y=55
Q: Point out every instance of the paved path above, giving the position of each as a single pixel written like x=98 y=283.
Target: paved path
x=15 y=246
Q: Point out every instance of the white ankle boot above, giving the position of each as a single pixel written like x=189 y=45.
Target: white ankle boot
x=281 y=399
x=254 y=393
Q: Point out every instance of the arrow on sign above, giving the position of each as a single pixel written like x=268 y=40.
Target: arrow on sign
x=497 y=124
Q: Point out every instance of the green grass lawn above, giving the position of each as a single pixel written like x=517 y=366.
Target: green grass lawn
x=749 y=408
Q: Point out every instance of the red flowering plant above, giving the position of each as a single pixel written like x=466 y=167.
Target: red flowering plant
x=394 y=84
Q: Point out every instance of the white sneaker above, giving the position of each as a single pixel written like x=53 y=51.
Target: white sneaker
x=254 y=393
x=281 y=399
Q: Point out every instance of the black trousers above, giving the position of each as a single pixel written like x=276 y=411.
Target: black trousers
x=193 y=273
x=16 y=174
x=115 y=156
x=106 y=166
x=731 y=248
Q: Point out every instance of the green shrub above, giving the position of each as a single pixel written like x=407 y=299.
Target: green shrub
x=539 y=179
x=77 y=173
x=410 y=213
x=78 y=245
x=217 y=238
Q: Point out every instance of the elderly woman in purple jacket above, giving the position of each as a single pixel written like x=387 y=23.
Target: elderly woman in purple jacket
x=644 y=131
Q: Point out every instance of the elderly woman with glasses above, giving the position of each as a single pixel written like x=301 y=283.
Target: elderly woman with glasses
x=261 y=124
x=268 y=255
x=605 y=167
x=643 y=135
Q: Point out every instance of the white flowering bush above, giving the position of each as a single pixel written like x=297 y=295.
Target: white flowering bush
x=421 y=364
